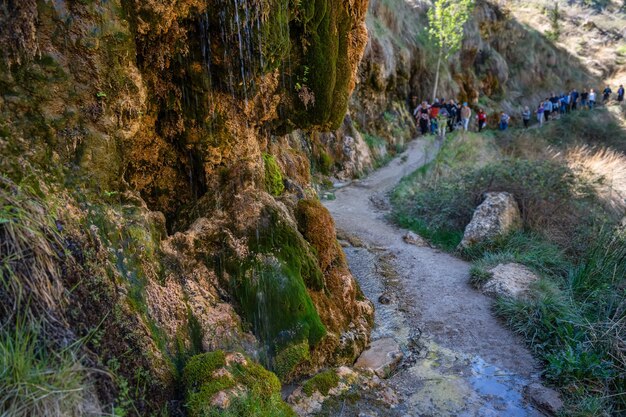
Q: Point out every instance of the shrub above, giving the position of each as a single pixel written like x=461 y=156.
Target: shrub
x=554 y=202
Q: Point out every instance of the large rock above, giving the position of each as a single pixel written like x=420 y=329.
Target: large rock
x=497 y=215
x=546 y=399
x=510 y=280
x=415 y=239
x=382 y=357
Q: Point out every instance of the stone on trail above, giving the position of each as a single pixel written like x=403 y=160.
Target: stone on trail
x=546 y=399
x=415 y=239
x=498 y=215
x=510 y=280
x=382 y=357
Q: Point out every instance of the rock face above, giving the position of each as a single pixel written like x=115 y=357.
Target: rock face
x=382 y=357
x=510 y=280
x=189 y=200
x=546 y=399
x=497 y=215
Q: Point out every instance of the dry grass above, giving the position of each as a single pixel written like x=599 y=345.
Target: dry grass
x=605 y=169
x=41 y=372
x=30 y=250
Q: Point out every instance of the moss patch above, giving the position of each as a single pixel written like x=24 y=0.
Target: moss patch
x=317 y=226
x=289 y=358
x=273 y=177
x=252 y=390
x=271 y=284
x=322 y=382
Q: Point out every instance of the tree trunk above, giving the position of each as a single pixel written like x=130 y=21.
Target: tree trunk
x=437 y=76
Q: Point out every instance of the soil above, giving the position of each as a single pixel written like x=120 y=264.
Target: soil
x=460 y=360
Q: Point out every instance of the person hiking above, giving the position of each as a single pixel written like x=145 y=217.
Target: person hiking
x=442 y=121
x=584 y=99
x=421 y=115
x=504 y=121
x=555 y=100
x=434 y=114
x=606 y=94
x=592 y=99
x=526 y=117
x=466 y=114
x=563 y=101
x=547 y=108
x=452 y=111
x=540 y=117
x=482 y=120
x=574 y=96
x=620 y=93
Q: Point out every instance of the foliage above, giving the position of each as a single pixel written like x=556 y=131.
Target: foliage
x=273 y=176
x=445 y=20
x=552 y=199
x=554 y=15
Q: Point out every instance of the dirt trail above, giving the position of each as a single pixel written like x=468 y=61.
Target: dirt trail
x=461 y=360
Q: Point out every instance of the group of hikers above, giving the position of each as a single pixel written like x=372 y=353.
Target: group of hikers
x=447 y=115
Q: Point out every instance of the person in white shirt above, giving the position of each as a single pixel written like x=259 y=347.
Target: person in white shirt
x=592 y=98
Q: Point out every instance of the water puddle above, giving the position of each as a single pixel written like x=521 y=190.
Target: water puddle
x=434 y=380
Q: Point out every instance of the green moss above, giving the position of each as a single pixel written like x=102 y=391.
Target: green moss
x=322 y=382
x=200 y=368
x=290 y=357
x=257 y=394
x=270 y=285
x=259 y=380
x=273 y=177
x=324 y=61
x=325 y=163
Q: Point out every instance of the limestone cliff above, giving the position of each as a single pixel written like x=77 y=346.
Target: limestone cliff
x=508 y=59
x=142 y=144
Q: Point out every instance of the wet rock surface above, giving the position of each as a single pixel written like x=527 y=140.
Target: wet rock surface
x=382 y=357
x=497 y=215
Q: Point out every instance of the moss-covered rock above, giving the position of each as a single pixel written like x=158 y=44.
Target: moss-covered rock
x=273 y=177
x=220 y=384
x=288 y=359
x=318 y=228
x=322 y=383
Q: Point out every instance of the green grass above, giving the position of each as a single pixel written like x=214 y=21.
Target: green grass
x=577 y=326
x=527 y=248
x=37 y=378
x=574 y=316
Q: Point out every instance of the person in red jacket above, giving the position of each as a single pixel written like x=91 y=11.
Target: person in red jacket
x=482 y=119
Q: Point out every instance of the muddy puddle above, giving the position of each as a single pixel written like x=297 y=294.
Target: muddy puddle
x=432 y=380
